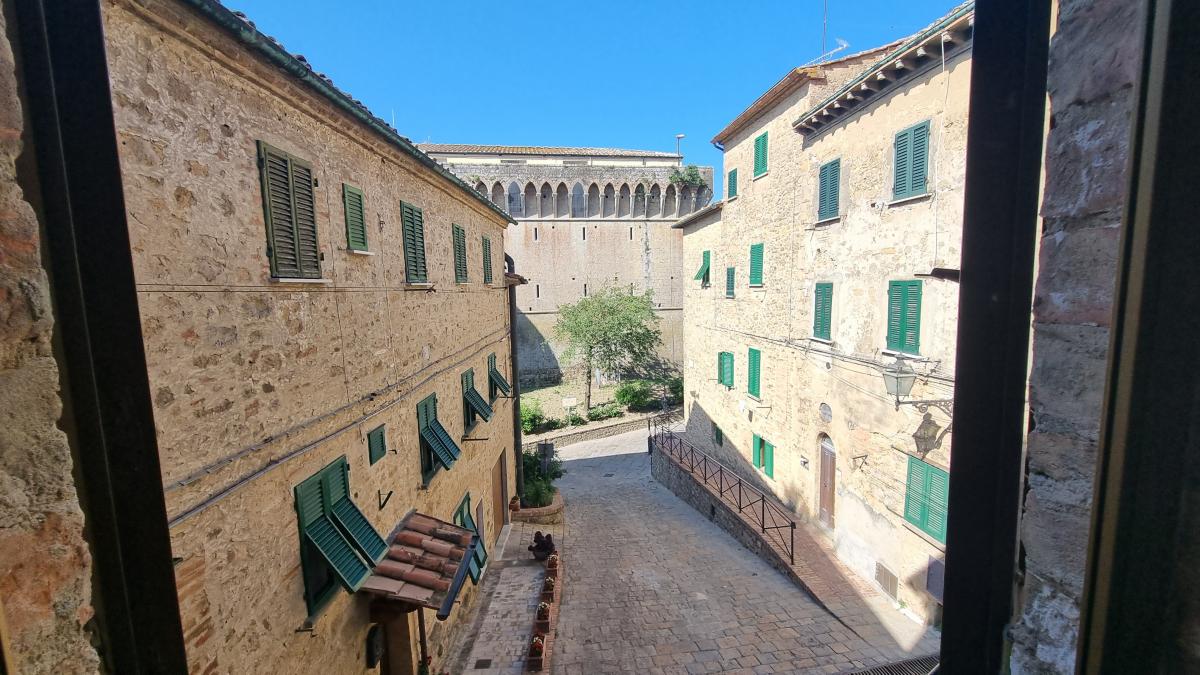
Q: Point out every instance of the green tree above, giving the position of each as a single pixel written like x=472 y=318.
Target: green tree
x=613 y=330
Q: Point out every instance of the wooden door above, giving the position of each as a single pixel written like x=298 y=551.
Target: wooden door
x=828 y=473
x=499 y=494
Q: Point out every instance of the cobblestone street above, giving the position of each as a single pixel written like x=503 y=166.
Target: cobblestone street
x=653 y=587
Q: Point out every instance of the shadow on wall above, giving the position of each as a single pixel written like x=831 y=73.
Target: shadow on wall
x=539 y=365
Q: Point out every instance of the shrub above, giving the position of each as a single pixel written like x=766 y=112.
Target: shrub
x=675 y=390
x=532 y=416
x=532 y=465
x=538 y=493
x=575 y=419
x=635 y=394
x=605 y=411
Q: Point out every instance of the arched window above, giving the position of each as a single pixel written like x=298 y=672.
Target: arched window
x=623 y=202
x=498 y=194
x=610 y=201
x=654 y=206
x=531 y=201
x=593 y=201
x=685 y=200
x=481 y=188
x=514 y=201
x=578 y=202
x=561 y=199
x=547 y=200
x=669 y=199
x=639 y=201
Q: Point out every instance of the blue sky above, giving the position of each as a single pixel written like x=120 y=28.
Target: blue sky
x=609 y=74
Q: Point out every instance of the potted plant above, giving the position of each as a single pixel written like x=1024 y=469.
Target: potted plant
x=542 y=618
x=552 y=565
x=548 y=590
x=537 y=650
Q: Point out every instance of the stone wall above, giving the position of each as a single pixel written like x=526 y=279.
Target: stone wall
x=814 y=388
x=1094 y=59
x=258 y=384
x=45 y=566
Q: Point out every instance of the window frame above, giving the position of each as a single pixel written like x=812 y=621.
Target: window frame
x=908 y=136
x=380 y=433
x=754 y=373
x=264 y=150
x=416 y=265
x=458 y=240
x=825 y=210
x=731 y=191
x=923 y=497
x=730 y=282
x=757 y=264
x=898 y=342
x=823 y=311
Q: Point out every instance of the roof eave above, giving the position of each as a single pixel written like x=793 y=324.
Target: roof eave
x=682 y=223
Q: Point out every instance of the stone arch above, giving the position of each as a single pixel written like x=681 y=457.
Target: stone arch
x=562 y=199
x=481 y=188
x=623 y=202
x=593 y=201
x=610 y=201
x=639 y=201
x=685 y=200
x=498 y=194
x=531 y=201
x=578 y=201
x=547 y=201
x=669 y=201
x=514 y=200
x=654 y=203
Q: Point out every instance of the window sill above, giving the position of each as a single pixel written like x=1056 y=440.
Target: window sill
x=758 y=287
x=419 y=286
x=289 y=280
x=906 y=200
x=894 y=352
x=828 y=221
x=928 y=539
x=761 y=175
x=824 y=341
x=354 y=251
x=729 y=199
x=730 y=297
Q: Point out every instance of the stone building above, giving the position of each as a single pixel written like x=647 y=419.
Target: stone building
x=833 y=258
x=325 y=320
x=586 y=218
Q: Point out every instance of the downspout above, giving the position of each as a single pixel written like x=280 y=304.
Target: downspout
x=519 y=465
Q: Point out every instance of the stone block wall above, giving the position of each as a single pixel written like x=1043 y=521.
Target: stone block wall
x=45 y=564
x=1094 y=60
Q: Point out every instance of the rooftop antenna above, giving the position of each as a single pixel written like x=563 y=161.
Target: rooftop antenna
x=824 y=24
x=841 y=44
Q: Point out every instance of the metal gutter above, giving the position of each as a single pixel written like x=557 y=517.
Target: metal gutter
x=296 y=66
x=518 y=460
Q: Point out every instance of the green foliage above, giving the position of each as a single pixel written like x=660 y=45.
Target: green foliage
x=605 y=411
x=575 y=419
x=539 y=484
x=538 y=493
x=689 y=176
x=613 y=330
x=675 y=390
x=635 y=394
x=532 y=416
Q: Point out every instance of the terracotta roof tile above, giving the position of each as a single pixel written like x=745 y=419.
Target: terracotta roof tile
x=421 y=562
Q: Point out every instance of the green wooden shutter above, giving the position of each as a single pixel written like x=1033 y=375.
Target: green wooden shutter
x=473 y=403
x=829 y=180
x=306 y=220
x=756 y=264
x=756 y=453
x=768 y=459
x=911 y=337
x=464 y=519
x=731 y=191
x=938 y=492
x=919 y=160
x=349 y=519
x=760 y=154
x=460 y=255
x=729 y=282
x=902 y=165
x=413 y=218
x=914 y=495
x=290 y=212
x=497 y=378
x=487 y=260
x=895 y=320
x=356 y=218
x=313 y=510
x=823 y=311
x=702 y=273
x=376 y=444
x=754 y=359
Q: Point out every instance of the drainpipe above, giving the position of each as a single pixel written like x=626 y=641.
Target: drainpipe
x=519 y=468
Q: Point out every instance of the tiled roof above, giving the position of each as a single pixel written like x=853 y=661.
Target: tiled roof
x=464 y=148
x=422 y=564
x=689 y=219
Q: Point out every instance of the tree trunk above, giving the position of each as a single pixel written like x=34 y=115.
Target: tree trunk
x=587 y=395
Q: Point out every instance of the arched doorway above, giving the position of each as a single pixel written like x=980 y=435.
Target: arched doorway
x=828 y=475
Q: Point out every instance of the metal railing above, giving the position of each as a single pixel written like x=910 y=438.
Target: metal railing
x=728 y=484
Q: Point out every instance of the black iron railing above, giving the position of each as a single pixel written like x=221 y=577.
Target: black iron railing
x=729 y=485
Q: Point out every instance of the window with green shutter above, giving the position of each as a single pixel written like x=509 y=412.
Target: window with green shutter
x=729 y=282
x=438 y=449
x=760 y=154
x=473 y=404
x=725 y=369
x=731 y=191
x=911 y=162
x=763 y=455
x=756 y=264
x=289 y=207
x=496 y=381
x=829 y=186
x=337 y=543
x=356 y=218
x=822 y=311
x=460 y=255
x=463 y=518
x=702 y=273
x=487 y=260
x=926 y=497
x=753 y=365
x=904 y=316
x=376 y=444
x=413 y=221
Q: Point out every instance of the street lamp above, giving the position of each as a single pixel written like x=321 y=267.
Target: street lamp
x=678 y=137
x=898 y=380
